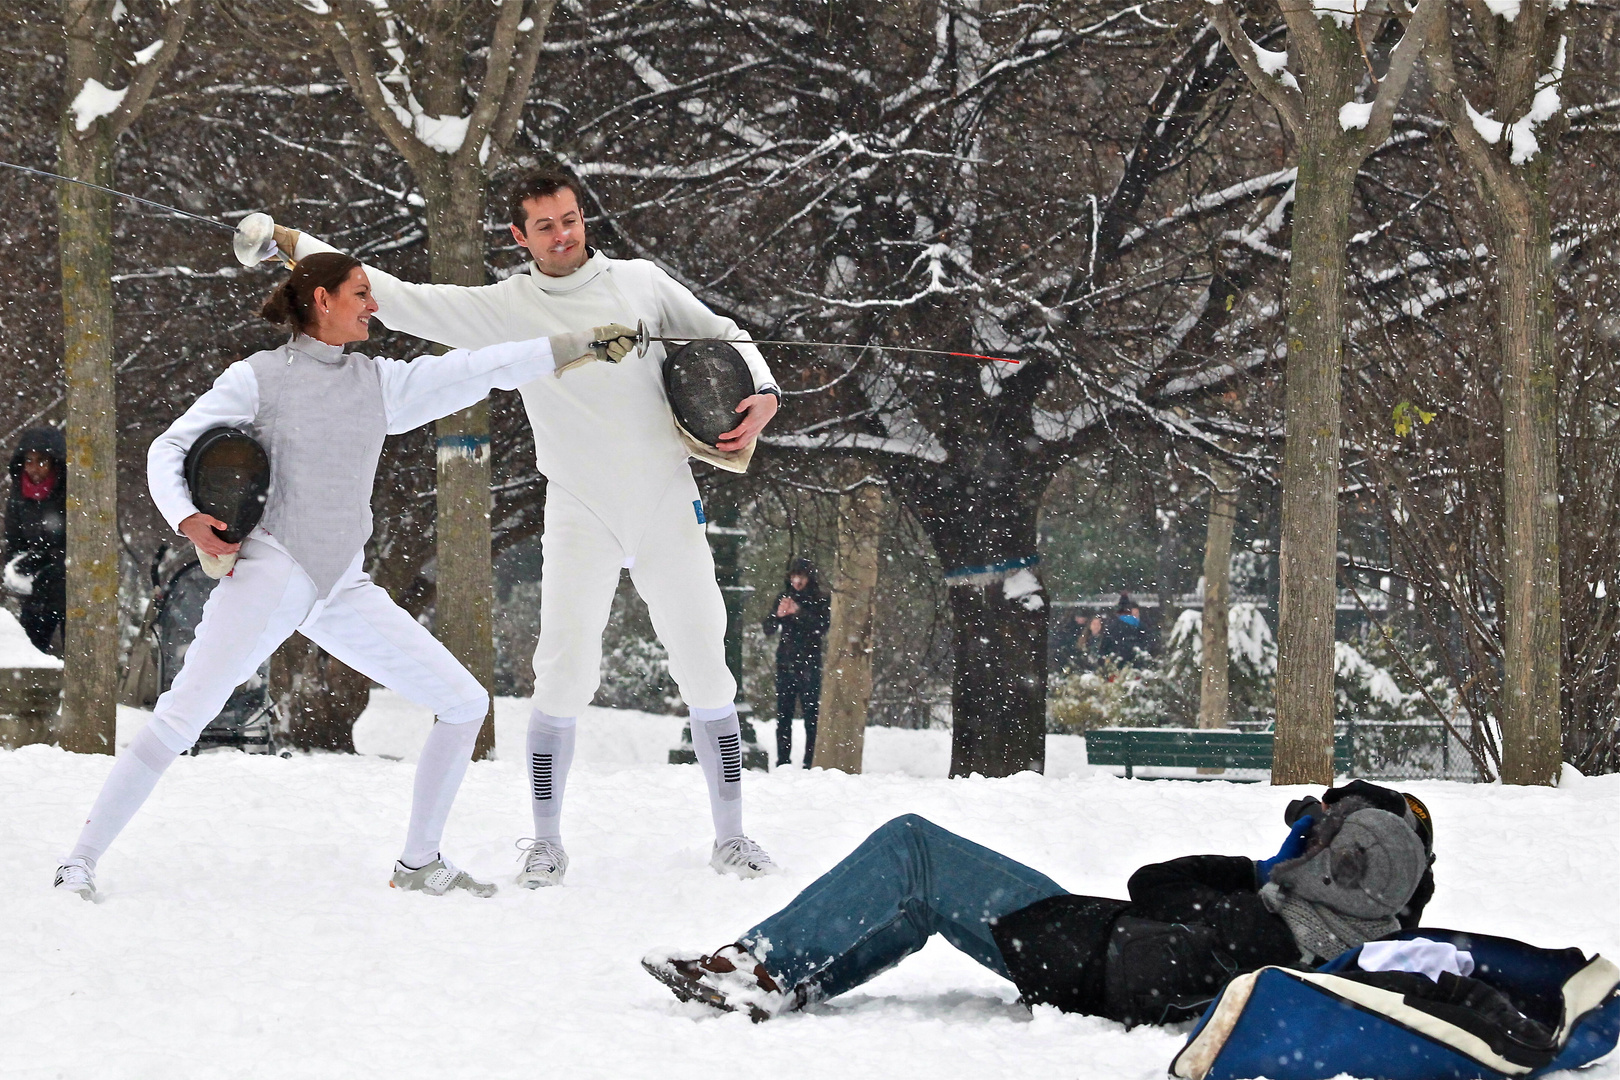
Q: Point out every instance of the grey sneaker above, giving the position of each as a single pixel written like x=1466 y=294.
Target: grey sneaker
x=438 y=877
x=730 y=979
x=743 y=857
x=544 y=863
x=77 y=876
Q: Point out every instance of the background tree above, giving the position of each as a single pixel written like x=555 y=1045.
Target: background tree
x=1517 y=65
x=1315 y=87
x=415 y=66
x=100 y=51
x=846 y=690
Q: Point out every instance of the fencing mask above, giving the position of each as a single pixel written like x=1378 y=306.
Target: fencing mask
x=228 y=474
x=705 y=381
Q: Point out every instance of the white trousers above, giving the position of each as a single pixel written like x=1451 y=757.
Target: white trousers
x=673 y=571
x=265 y=599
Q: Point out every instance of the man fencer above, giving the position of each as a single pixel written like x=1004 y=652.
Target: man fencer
x=620 y=494
x=322 y=414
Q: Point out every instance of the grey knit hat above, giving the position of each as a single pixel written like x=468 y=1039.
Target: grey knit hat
x=1369 y=867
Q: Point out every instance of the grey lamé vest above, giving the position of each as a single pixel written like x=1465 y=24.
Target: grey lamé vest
x=322 y=421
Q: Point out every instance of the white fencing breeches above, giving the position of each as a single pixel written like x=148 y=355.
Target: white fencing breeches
x=265 y=599
x=673 y=571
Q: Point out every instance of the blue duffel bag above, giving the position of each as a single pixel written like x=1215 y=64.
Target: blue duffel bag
x=1539 y=1010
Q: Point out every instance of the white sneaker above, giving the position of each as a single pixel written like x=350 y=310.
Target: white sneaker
x=743 y=857
x=437 y=878
x=77 y=876
x=544 y=863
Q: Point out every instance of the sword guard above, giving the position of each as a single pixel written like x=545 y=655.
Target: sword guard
x=641 y=340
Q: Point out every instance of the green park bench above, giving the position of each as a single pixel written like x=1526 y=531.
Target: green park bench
x=1192 y=748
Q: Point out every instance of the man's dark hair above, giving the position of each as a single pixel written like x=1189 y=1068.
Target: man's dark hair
x=539 y=184
x=1125 y=604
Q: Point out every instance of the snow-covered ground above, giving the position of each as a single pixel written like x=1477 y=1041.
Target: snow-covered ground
x=247 y=931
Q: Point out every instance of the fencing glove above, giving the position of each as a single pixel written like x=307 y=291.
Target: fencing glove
x=611 y=343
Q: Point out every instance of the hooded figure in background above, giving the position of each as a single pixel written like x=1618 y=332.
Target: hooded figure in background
x=802 y=612
x=35 y=563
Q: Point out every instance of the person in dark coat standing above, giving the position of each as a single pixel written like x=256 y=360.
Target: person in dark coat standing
x=35 y=563
x=1121 y=635
x=1355 y=866
x=801 y=613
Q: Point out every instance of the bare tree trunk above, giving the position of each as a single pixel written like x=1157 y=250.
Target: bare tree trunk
x=1310 y=487
x=1213 y=688
x=84 y=219
x=90 y=641
x=465 y=579
x=1518 y=56
x=846 y=688
x=1532 y=644
x=1334 y=133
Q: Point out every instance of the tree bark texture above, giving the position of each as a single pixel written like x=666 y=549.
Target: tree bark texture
x=90 y=643
x=465 y=593
x=1518 y=219
x=1310 y=488
x=84 y=221
x=1213 y=681
x=1329 y=63
x=846 y=686
x=1514 y=199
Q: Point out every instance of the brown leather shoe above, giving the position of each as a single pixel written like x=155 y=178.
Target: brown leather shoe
x=730 y=979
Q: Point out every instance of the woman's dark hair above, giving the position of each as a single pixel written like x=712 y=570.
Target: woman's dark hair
x=542 y=183
x=808 y=569
x=293 y=302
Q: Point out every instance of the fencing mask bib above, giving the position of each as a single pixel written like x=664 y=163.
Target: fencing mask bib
x=228 y=474
x=705 y=381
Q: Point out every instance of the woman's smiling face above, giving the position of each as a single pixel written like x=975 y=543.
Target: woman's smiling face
x=344 y=314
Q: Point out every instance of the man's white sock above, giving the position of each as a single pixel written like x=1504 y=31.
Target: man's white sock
x=717 y=740
x=134 y=774
x=439 y=772
x=551 y=755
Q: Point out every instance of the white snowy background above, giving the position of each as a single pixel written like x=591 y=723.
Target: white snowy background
x=247 y=930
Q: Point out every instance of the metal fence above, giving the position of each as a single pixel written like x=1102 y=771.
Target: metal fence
x=1407 y=750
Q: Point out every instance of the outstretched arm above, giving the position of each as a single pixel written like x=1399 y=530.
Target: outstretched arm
x=422 y=390
x=459 y=316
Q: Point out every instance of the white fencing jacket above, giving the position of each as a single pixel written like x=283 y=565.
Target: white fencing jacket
x=321 y=414
x=603 y=432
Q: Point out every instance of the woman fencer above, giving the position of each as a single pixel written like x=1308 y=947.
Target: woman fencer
x=321 y=413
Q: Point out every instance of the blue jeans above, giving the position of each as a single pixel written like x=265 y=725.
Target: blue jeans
x=907 y=881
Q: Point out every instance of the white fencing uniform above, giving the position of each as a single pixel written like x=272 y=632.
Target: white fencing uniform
x=620 y=493
x=321 y=414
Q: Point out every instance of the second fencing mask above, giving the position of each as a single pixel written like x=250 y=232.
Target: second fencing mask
x=705 y=381
x=228 y=474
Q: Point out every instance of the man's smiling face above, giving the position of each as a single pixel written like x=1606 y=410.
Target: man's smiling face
x=554 y=233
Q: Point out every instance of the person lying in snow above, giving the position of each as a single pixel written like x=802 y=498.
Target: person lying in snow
x=1355 y=866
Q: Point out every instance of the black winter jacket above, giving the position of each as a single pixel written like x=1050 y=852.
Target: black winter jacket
x=802 y=634
x=36 y=529
x=1161 y=957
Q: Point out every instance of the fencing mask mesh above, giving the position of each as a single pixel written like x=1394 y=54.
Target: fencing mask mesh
x=705 y=380
x=229 y=476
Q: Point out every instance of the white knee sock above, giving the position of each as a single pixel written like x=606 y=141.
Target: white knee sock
x=551 y=754
x=438 y=776
x=134 y=774
x=718 y=743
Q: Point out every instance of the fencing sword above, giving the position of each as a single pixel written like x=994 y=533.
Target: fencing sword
x=643 y=339
x=253 y=238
